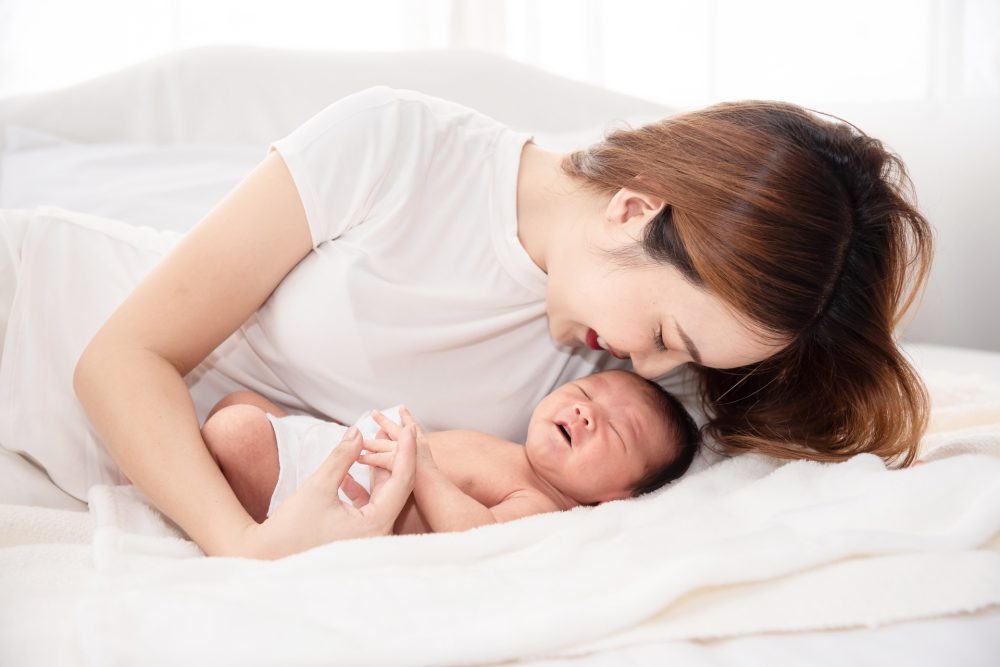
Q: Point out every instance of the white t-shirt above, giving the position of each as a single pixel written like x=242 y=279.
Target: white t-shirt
x=418 y=290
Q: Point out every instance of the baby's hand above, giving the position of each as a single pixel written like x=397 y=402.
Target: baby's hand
x=381 y=455
x=391 y=430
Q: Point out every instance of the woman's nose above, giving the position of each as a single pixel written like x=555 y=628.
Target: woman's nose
x=653 y=366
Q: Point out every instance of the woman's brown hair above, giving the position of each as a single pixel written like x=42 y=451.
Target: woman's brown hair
x=806 y=227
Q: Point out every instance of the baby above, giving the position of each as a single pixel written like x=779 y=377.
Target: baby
x=602 y=437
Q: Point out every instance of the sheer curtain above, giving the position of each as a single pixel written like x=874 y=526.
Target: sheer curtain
x=679 y=52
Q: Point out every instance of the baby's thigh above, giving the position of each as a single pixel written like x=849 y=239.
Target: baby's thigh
x=239 y=432
x=242 y=442
x=248 y=398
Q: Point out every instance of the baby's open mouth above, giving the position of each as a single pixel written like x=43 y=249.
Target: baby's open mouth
x=565 y=434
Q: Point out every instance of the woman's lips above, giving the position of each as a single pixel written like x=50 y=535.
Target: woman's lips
x=594 y=343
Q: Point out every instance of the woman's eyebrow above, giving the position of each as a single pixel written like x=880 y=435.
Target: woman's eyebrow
x=689 y=345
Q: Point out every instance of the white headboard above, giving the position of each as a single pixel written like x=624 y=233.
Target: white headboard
x=247 y=95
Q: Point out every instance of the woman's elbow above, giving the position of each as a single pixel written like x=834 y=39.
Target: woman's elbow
x=93 y=364
x=87 y=368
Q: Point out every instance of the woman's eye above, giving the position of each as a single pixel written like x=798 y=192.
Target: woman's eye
x=658 y=340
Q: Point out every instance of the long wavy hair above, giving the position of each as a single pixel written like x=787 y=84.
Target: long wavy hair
x=808 y=227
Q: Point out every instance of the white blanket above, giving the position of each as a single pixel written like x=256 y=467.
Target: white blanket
x=748 y=545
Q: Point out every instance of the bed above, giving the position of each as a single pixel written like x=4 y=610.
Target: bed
x=747 y=561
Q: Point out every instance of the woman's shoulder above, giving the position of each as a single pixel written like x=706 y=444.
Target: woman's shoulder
x=391 y=118
x=412 y=106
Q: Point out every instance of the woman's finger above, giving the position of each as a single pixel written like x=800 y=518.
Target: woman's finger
x=388 y=499
x=334 y=468
x=407 y=418
x=391 y=428
x=380 y=445
x=355 y=492
x=378 y=459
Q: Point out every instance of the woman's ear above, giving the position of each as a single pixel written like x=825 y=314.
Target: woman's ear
x=628 y=205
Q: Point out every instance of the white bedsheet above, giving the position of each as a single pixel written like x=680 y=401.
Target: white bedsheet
x=746 y=547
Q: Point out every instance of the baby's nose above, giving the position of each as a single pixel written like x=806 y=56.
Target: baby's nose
x=584 y=415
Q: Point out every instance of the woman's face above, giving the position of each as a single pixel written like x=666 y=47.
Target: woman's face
x=595 y=301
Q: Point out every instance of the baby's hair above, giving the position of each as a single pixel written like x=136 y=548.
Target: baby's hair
x=687 y=436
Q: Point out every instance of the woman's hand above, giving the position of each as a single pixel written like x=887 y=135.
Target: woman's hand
x=315 y=515
x=381 y=466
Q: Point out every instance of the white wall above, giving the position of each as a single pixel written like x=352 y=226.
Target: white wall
x=952 y=151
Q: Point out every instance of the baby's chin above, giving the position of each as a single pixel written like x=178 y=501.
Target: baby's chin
x=532 y=449
x=536 y=441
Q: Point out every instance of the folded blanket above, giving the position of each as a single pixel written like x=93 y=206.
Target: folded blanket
x=749 y=545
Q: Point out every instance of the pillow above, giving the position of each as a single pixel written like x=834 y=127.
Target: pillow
x=167 y=187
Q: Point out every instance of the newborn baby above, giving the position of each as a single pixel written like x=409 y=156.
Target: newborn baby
x=606 y=436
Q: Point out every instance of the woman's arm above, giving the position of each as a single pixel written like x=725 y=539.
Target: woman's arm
x=130 y=377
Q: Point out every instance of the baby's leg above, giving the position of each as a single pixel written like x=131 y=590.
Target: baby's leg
x=248 y=398
x=241 y=440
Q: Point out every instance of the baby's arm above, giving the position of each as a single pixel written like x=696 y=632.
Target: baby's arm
x=241 y=440
x=447 y=508
x=444 y=506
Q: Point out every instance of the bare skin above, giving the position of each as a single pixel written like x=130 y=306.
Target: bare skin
x=464 y=478
x=487 y=469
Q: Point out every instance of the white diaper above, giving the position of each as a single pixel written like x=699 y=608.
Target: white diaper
x=304 y=443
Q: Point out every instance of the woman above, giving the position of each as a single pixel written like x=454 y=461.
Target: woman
x=397 y=246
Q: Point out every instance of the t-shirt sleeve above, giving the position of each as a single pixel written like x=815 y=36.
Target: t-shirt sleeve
x=339 y=159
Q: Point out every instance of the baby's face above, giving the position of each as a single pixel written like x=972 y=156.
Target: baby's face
x=594 y=438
